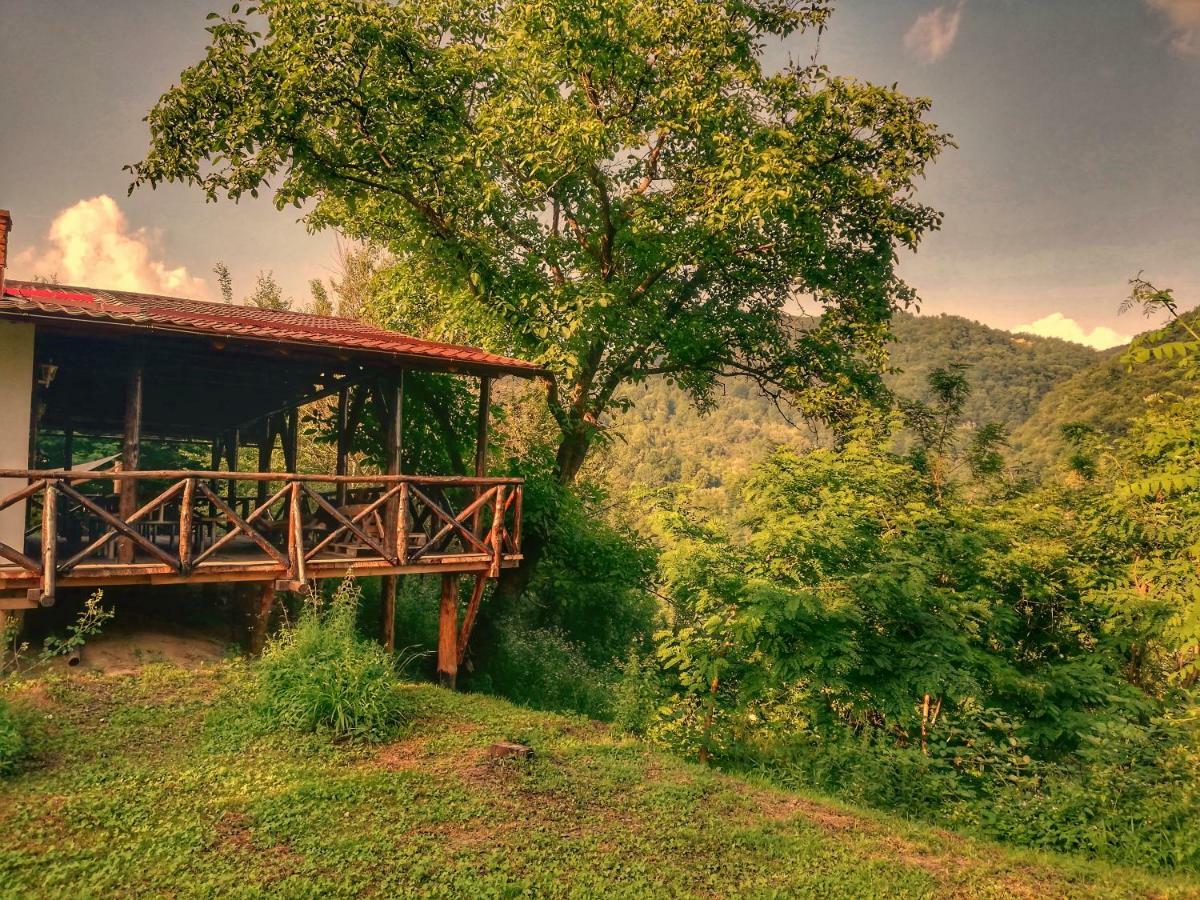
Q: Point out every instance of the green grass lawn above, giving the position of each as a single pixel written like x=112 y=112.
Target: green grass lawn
x=161 y=783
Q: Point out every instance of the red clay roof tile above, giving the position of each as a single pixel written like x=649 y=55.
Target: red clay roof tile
x=200 y=317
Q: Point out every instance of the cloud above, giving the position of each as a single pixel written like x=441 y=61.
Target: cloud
x=932 y=35
x=1056 y=325
x=1183 y=17
x=91 y=244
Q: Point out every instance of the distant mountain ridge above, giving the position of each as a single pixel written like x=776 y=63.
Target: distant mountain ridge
x=662 y=441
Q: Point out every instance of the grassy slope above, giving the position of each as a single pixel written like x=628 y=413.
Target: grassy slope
x=152 y=783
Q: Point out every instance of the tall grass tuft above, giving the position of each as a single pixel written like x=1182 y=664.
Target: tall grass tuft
x=320 y=676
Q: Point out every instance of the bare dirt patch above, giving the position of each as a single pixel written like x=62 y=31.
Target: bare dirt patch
x=123 y=652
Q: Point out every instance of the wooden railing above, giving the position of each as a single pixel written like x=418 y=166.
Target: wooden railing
x=257 y=524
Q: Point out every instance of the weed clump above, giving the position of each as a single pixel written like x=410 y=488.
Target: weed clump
x=318 y=675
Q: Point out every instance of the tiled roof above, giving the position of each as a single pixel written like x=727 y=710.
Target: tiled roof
x=123 y=308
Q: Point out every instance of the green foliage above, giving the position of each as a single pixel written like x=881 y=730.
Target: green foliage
x=622 y=188
x=544 y=669
x=12 y=740
x=89 y=623
x=320 y=676
x=321 y=305
x=1109 y=395
x=663 y=442
x=1016 y=660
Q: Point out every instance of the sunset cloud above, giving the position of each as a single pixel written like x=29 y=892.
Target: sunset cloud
x=1183 y=17
x=1056 y=325
x=933 y=34
x=92 y=244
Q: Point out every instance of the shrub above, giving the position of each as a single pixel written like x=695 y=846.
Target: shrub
x=541 y=668
x=319 y=676
x=12 y=740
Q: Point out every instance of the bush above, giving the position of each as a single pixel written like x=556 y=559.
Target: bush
x=319 y=676
x=541 y=668
x=12 y=740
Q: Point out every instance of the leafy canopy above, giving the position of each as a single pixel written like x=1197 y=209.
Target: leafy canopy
x=622 y=185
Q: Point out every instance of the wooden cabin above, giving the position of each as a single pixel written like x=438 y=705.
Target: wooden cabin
x=82 y=366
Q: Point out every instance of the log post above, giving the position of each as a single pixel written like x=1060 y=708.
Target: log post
x=343 y=440
x=214 y=466
x=73 y=527
x=261 y=618
x=298 y=573
x=266 y=446
x=481 y=427
x=447 y=664
x=49 y=544
x=481 y=441
x=232 y=446
x=131 y=450
x=186 y=514
x=291 y=441
x=387 y=612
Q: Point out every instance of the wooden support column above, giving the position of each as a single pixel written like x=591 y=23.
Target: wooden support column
x=481 y=441
x=343 y=440
x=74 y=527
x=291 y=440
x=481 y=426
x=214 y=466
x=232 y=446
x=266 y=447
x=131 y=450
x=447 y=663
x=260 y=620
x=387 y=611
x=68 y=445
x=393 y=402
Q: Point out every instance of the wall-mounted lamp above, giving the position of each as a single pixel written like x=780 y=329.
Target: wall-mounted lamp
x=46 y=373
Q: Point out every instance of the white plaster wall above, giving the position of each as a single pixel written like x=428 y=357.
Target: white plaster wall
x=16 y=390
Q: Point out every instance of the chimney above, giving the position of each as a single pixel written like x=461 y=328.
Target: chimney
x=5 y=228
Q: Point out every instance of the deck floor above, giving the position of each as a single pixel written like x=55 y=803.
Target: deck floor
x=240 y=560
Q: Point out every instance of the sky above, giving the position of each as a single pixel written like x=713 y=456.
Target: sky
x=1077 y=166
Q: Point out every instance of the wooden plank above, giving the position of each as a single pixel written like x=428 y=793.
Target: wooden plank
x=447 y=662
x=468 y=623
x=362 y=514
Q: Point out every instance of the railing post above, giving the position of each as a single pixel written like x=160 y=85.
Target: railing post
x=516 y=532
x=401 y=550
x=495 y=539
x=296 y=536
x=185 y=526
x=49 y=544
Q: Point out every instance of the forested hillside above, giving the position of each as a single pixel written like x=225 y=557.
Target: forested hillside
x=1106 y=395
x=663 y=441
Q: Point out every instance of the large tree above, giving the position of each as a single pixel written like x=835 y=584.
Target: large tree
x=623 y=186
